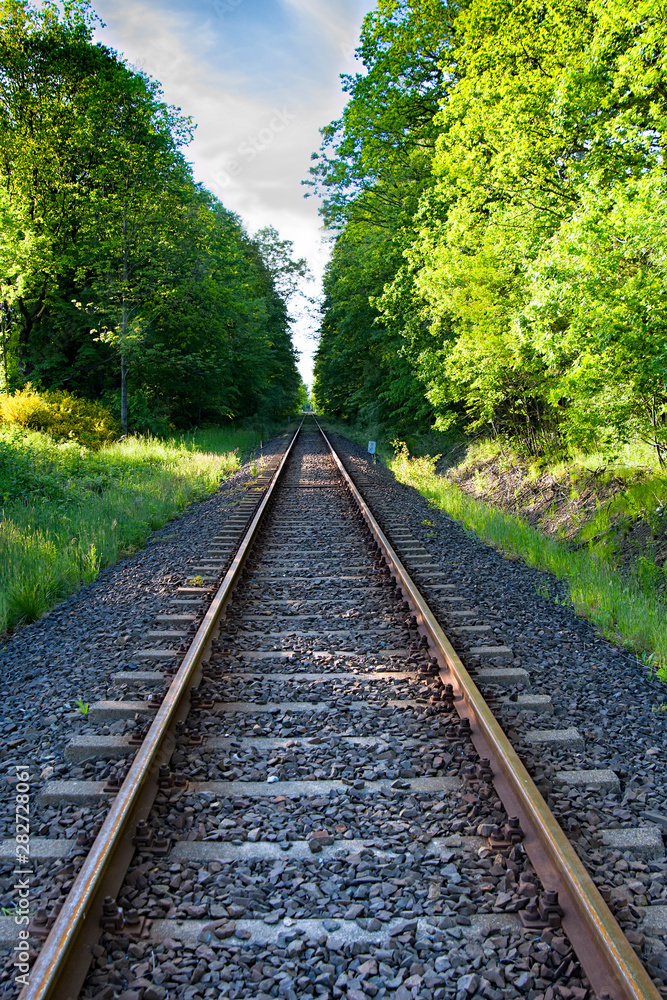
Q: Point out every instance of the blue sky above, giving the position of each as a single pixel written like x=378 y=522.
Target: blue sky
x=259 y=78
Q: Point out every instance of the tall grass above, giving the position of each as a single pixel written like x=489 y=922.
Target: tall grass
x=620 y=608
x=68 y=511
x=219 y=440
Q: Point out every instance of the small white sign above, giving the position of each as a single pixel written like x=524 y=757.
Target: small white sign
x=371 y=447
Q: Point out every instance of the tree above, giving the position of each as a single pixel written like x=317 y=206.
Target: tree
x=597 y=315
x=119 y=276
x=48 y=76
x=527 y=302
x=374 y=166
x=276 y=254
x=140 y=189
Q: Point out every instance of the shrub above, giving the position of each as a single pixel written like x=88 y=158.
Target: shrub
x=61 y=415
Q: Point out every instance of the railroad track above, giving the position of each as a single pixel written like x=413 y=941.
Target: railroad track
x=313 y=798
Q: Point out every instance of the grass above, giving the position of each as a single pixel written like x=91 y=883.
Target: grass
x=624 y=610
x=67 y=512
x=221 y=440
x=631 y=463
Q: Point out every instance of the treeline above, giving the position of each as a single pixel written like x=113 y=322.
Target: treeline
x=120 y=278
x=497 y=189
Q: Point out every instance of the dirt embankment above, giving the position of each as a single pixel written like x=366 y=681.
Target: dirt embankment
x=580 y=505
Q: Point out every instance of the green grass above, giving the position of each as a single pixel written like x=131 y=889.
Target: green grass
x=624 y=610
x=220 y=440
x=67 y=512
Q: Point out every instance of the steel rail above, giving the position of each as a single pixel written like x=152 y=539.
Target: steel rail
x=601 y=946
x=63 y=960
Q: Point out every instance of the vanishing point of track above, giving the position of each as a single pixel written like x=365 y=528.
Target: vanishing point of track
x=302 y=539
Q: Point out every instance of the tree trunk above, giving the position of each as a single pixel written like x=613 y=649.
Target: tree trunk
x=123 y=393
x=5 y=327
x=123 y=336
x=27 y=322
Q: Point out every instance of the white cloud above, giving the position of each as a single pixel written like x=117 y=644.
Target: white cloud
x=259 y=78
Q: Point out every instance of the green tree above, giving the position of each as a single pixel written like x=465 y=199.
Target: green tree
x=557 y=114
x=597 y=316
x=374 y=165
x=41 y=63
x=119 y=276
x=138 y=200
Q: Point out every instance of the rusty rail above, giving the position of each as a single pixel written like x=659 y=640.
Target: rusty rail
x=65 y=956
x=601 y=946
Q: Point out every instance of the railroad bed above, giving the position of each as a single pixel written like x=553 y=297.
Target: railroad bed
x=322 y=828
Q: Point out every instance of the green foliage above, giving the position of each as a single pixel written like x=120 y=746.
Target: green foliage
x=59 y=414
x=304 y=396
x=374 y=164
x=496 y=183
x=68 y=511
x=121 y=279
x=244 y=435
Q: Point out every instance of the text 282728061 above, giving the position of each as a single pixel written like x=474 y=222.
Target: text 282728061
x=22 y=871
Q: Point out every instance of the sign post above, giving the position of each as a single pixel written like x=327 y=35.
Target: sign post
x=371 y=450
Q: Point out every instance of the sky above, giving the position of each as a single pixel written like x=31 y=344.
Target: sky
x=259 y=78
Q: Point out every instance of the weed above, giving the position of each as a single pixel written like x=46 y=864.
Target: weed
x=196 y=581
x=82 y=706
x=649 y=577
x=543 y=590
x=656 y=663
x=257 y=466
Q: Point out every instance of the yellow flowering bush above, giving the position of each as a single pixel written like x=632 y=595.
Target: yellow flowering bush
x=61 y=415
